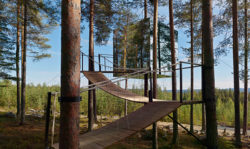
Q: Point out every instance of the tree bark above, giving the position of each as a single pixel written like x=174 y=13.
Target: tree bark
x=209 y=82
x=23 y=89
x=203 y=127
x=70 y=74
x=159 y=49
x=91 y=108
x=173 y=61
x=145 y=75
x=155 y=22
x=236 y=72
x=17 y=59
x=192 y=66
x=245 y=75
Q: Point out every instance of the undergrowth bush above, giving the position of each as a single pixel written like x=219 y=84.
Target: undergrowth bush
x=108 y=105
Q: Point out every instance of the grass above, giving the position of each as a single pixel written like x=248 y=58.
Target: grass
x=31 y=136
x=143 y=140
x=28 y=136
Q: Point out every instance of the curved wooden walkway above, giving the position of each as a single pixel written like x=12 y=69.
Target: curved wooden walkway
x=113 y=89
x=126 y=126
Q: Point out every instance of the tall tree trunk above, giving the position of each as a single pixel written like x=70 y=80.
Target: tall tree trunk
x=91 y=116
x=173 y=61
x=145 y=75
x=236 y=71
x=23 y=89
x=159 y=49
x=203 y=110
x=17 y=59
x=245 y=75
x=125 y=50
x=192 y=68
x=70 y=74
x=155 y=134
x=209 y=82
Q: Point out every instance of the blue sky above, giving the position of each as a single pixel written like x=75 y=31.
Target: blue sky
x=48 y=70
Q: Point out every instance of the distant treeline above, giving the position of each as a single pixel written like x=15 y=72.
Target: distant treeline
x=108 y=105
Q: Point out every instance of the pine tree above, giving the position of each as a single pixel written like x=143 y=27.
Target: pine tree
x=18 y=4
x=189 y=16
x=208 y=78
x=236 y=72
x=36 y=23
x=245 y=72
x=7 y=55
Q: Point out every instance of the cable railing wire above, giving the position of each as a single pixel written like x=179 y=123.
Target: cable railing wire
x=122 y=78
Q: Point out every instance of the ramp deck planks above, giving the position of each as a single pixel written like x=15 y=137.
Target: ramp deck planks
x=113 y=89
x=126 y=126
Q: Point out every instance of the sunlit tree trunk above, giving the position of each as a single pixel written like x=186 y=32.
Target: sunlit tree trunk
x=17 y=58
x=146 y=75
x=23 y=89
x=246 y=74
x=208 y=79
x=155 y=24
x=192 y=68
x=70 y=74
x=91 y=67
x=236 y=72
x=173 y=61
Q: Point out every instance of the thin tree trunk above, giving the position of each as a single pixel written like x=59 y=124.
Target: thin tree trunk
x=91 y=116
x=159 y=49
x=209 y=82
x=245 y=75
x=145 y=75
x=173 y=61
x=23 y=89
x=70 y=74
x=17 y=59
x=203 y=126
x=236 y=71
x=155 y=134
x=125 y=48
x=192 y=68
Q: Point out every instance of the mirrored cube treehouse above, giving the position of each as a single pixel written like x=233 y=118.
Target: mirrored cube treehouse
x=132 y=46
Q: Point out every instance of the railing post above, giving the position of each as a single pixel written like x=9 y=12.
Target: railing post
x=126 y=101
x=105 y=62
x=82 y=61
x=99 y=60
x=54 y=118
x=150 y=93
x=181 y=82
x=146 y=85
x=47 y=121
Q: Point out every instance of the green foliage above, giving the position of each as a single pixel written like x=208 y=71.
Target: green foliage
x=182 y=20
x=103 y=19
x=108 y=105
x=7 y=55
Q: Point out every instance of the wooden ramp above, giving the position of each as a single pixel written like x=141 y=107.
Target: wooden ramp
x=126 y=126
x=113 y=89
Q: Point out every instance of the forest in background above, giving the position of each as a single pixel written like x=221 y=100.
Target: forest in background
x=108 y=105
